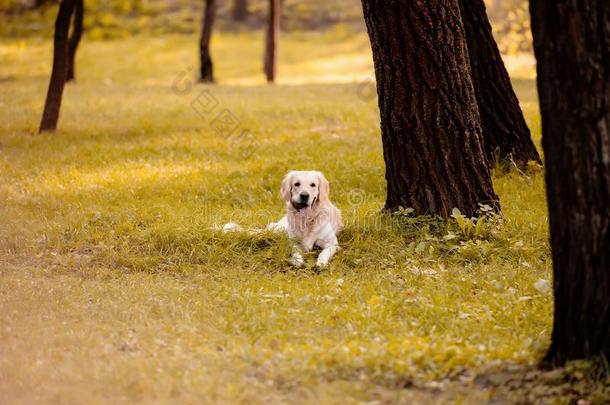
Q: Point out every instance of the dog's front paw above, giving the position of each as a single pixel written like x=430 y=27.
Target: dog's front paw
x=325 y=256
x=297 y=260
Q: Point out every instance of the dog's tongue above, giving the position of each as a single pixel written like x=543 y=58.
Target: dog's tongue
x=305 y=211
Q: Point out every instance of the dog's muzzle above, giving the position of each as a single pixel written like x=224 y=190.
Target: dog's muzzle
x=299 y=205
x=303 y=201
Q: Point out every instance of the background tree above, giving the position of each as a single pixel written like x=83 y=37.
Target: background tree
x=59 y=72
x=272 y=37
x=206 y=73
x=572 y=46
x=77 y=32
x=240 y=10
x=505 y=132
x=430 y=123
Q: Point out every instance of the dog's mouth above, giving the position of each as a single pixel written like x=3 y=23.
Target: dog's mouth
x=299 y=205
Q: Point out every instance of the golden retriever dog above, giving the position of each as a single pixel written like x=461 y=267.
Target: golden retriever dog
x=311 y=219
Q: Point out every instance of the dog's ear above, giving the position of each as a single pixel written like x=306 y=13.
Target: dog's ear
x=324 y=193
x=286 y=186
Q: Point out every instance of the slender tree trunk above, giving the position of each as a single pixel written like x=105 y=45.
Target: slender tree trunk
x=59 y=72
x=207 y=24
x=505 y=132
x=77 y=31
x=430 y=123
x=572 y=46
x=273 y=33
x=240 y=10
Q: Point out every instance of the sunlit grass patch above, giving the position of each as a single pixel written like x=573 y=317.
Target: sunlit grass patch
x=116 y=283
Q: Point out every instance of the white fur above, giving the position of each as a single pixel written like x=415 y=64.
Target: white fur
x=316 y=224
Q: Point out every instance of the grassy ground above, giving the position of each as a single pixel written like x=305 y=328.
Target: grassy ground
x=114 y=289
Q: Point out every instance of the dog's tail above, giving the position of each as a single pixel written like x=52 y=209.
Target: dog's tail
x=231 y=227
x=235 y=227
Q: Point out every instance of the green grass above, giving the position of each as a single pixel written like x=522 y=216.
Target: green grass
x=114 y=288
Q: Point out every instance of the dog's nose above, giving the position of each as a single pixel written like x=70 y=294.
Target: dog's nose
x=304 y=195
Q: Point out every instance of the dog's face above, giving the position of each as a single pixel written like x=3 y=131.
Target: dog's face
x=304 y=189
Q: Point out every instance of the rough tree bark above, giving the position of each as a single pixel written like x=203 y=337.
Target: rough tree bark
x=59 y=72
x=240 y=10
x=505 y=132
x=272 y=37
x=572 y=47
x=430 y=123
x=77 y=32
x=206 y=73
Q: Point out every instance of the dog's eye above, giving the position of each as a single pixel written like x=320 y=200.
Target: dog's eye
x=313 y=184
x=297 y=184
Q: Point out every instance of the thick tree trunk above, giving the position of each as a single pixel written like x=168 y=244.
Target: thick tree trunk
x=572 y=46
x=240 y=10
x=59 y=72
x=207 y=24
x=430 y=123
x=77 y=32
x=506 y=136
x=273 y=33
